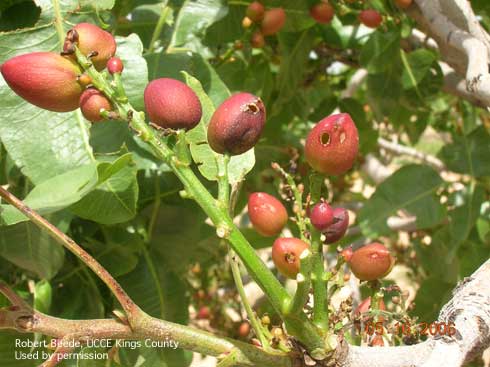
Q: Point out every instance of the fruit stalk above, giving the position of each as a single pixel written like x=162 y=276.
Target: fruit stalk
x=298 y=325
x=319 y=280
x=303 y=280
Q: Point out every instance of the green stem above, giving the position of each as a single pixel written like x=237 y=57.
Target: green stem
x=159 y=27
x=303 y=280
x=223 y=182
x=319 y=281
x=58 y=22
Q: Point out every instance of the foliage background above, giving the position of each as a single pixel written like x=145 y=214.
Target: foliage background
x=104 y=188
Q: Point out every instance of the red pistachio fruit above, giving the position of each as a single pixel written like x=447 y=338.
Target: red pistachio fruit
x=365 y=306
x=115 y=65
x=171 y=104
x=273 y=21
x=255 y=11
x=237 y=123
x=322 y=12
x=267 y=214
x=347 y=253
x=92 y=102
x=44 y=79
x=286 y=254
x=332 y=145
x=204 y=313
x=321 y=216
x=244 y=329
x=92 y=38
x=371 y=262
x=257 y=40
x=370 y=18
x=339 y=226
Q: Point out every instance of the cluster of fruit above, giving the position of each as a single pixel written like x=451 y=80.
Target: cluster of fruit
x=269 y=22
x=331 y=148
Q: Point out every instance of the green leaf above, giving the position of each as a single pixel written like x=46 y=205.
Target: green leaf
x=381 y=51
x=55 y=194
x=114 y=199
x=193 y=20
x=98 y=4
x=411 y=188
x=419 y=64
x=10 y=354
x=135 y=75
x=31 y=249
x=469 y=153
x=43 y=294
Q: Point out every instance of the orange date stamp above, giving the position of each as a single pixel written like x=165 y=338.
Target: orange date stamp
x=399 y=328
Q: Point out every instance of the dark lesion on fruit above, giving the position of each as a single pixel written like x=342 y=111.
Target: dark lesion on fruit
x=325 y=138
x=290 y=258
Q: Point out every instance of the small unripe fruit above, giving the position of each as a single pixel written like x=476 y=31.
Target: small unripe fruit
x=115 y=65
x=255 y=11
x=246 y=22
x=237 y=123
x=332 y=145
x=365 y=305
x=347 y=253
x=370 y=18
x=339 y=226
x=267 y=214
x=321 y=216
x=322 y=12
x=204 y=313
x=171 y=104
x=45 y=79
x=84 y=80
x=403 y=4
x=286 y=254
x=257 y=40
x=92 y=102
x=94 y=39
x=273 y=21
x=371 y=262
x=244 y=329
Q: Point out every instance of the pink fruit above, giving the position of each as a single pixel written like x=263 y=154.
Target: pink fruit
x=339 y=226
x=321 y=216
x=115 y=65
x=45 y=79
x=371 y=262
x=90 y=39
x=370 y=18
x=322 y=12
x=92 y=102
x=274 y=20
x=286 y=254
x=172 y=104
x=267 y=214
x=255 y=11
x=237 y=123
x=257 y=40
x=332 y=145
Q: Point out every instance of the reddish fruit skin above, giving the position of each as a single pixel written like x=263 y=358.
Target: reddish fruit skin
x=286 y=253
x=115 y=65
x=273 y=21
x=338 y=227
x=267 y=214
x=347 y=253
x=237 y=123
x=172 y=104
x=322 y=13
x=370 y=18
x=255 y=11
x=257 y=40
x=403 y=4
x=45 y=79
x=91 y=102
x=371 y=262
x=92 y=38
x=204 y=313
x=244 y=329
x=332 y=145
x=365 y=305
x=321 y=216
